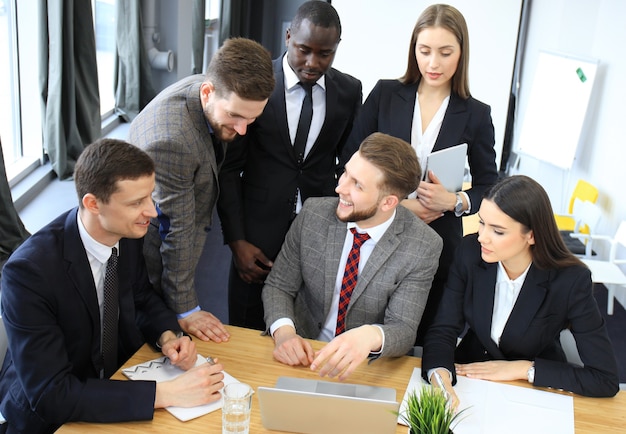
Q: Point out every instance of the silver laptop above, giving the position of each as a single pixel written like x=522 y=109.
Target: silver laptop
x=323 y=407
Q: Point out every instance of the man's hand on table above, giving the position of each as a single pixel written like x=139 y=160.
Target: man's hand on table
x=204 y=325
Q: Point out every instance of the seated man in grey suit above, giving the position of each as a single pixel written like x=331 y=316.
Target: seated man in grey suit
x=365 y=301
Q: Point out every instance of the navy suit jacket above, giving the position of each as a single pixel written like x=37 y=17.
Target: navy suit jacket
x=260 y=175
x=549 y=301
x=50 y=309
x=389 y=109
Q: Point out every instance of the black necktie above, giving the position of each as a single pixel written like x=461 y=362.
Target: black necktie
x=304 y=124
x=110 y=316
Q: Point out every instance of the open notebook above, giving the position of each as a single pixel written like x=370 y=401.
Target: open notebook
x=162 y=370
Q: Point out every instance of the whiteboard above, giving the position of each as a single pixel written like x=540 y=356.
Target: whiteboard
x=557 y=106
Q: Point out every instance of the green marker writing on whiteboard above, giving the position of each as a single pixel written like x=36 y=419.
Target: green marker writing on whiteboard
x=581 y=75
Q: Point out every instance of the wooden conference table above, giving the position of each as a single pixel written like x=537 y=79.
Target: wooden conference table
x=248 y=358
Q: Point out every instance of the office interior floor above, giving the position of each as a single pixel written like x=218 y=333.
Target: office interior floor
x=214 y=264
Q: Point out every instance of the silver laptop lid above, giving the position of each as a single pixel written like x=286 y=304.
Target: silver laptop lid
x=322 y=407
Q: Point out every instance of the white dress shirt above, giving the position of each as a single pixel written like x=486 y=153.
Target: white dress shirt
x=98 y=255
x=504 y=299
x=424 y=142
x=294 y=96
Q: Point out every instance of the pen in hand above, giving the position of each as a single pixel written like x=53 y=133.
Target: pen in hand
x=210 y=360
x=439 y=382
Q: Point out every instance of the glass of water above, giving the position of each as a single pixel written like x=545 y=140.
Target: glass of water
x=236 y=409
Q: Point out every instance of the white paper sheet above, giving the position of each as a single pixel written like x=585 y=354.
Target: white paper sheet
x=162 y=370
x=495 y=408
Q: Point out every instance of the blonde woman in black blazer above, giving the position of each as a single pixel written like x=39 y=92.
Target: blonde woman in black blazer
x=518 y=240
x=434 y=94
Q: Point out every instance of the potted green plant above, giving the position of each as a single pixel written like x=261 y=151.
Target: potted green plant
x=428 y=412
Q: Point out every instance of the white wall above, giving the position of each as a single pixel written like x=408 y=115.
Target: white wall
x=590 y=30
x=376 y=35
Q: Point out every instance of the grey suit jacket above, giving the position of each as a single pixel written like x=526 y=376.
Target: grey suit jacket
x=172 y=129
x=392 y=288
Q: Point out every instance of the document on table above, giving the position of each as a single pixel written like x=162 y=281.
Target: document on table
x=162 y=370
x=494 y=407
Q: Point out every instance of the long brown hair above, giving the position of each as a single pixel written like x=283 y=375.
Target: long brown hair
x=451 y=19
x=526 y=202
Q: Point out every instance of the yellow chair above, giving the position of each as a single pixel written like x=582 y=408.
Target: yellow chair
x=584 y=192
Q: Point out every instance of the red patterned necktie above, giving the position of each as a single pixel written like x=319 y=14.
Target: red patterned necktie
x=350 y=277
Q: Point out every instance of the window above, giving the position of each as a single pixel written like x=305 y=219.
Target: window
x=20 y=100
x=9 y=119
x=105 y=29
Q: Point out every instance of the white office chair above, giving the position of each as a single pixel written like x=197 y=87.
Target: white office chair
x=608 y=271
x=587 y=215
x=568 y=343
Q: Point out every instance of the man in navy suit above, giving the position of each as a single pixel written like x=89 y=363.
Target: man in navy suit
x=265 y=178
x=53 y=301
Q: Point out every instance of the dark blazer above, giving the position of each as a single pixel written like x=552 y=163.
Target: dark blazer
x=392 y=287
x=549 y=301
x=389 y=109
x=50 y=309
x=260 y=175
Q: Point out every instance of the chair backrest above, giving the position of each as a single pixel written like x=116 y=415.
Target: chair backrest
x=568 y=343
x=587 y=216
x=4 y=340
x=620 y=235
x=618 y=239
x=583 y=191
x=4 y=344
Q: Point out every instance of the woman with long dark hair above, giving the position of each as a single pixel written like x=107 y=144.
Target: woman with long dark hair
x=515 y=287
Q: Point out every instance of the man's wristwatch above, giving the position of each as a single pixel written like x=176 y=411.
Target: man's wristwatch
x=458 y=206
x=531 y=374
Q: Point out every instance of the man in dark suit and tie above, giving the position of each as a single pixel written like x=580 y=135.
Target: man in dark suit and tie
x=354 y=271
x=289 y=154
x=56 y=291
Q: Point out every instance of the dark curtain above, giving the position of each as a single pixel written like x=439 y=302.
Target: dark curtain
x=12 y=230
x=241 y=18
x=69 y=82
x=133 y=74
x=197 y=36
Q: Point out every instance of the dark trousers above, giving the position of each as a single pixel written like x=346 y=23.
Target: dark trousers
x=245 y=306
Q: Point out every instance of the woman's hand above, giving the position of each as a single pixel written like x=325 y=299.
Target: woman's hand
x=453 y=399
x=423 y=213
x=434 y=196
x=496 y=370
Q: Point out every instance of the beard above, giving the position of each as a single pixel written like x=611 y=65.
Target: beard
x=358 y=215
x=221 y=132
